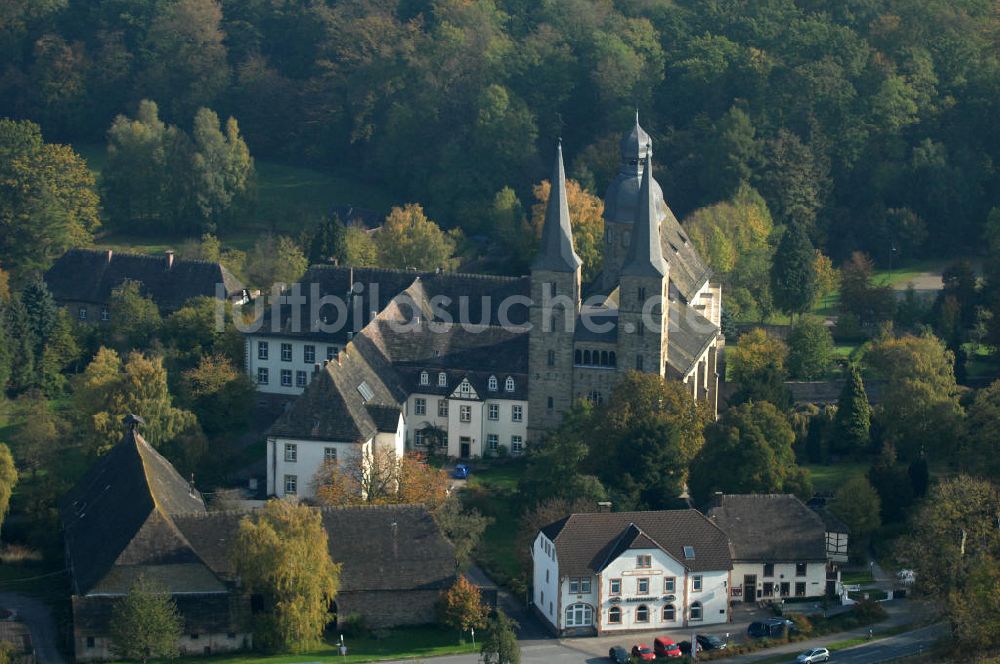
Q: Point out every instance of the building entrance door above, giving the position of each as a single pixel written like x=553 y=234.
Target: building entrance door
x=750 y=588
x=464 y=447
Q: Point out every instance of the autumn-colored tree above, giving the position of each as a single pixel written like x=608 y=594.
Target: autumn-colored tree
x=379 y=477
x=827 y=277
x=109 y=389
x=360 y=249
x=756 y=352
x=462 y=606
x=420 y=482
x=586 y=214
x=281 y=552
x=8 y=480
x=408 y=239
x=220 y=395
x=37 y=437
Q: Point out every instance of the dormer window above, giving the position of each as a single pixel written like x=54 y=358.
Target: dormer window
x=425 y=379
x=509 y=384
x=493 y=384
x=442 y=379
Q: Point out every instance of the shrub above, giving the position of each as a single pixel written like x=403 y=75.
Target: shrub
x=802 y=624
x=353 y=625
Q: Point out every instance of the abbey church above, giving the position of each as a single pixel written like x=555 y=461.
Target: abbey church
x=478 y=365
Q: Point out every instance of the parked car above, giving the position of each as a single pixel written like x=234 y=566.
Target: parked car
x=710 y=642
x=643 y=652
x=814 y=655
x=619 y=655
x=461 y=471
x=685 y=647
x=771 y=628
x=664 y=646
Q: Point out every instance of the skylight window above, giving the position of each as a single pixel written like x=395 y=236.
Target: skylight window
x=689 y=553
x=366 y=391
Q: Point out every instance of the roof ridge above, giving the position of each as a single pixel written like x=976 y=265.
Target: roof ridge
x=422 y=273
x=135 y=254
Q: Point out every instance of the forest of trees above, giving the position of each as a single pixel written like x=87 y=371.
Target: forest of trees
x=869 y=123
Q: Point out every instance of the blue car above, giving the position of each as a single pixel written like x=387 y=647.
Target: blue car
x=461 y=471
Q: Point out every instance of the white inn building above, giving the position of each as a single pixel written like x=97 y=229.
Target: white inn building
x=605 y=573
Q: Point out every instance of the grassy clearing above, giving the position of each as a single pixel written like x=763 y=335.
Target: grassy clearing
x=289 y=200
x=493 y=491
x=401 y=643
x=829 y=478
x=860 y=577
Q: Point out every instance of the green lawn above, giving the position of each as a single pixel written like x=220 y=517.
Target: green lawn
x=289 y=200
x=860 y=577
x=493 y=491
x=831 y=477
x=401 y=643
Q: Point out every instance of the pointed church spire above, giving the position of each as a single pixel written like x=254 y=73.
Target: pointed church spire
x=645 y=255
x=556 y=252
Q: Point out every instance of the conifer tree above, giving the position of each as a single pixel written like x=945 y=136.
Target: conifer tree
x=500 y=645
x=854 y=415
x=328 y=241
x=793 y=274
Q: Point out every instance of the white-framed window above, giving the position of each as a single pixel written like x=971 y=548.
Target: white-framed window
x=669 y=584
x=615 y=615
x=291 y=452
x=579 y=585
x=642 y=613
x=309 y=353
x=418 y=437
x=301 y=378
x=465 y=388
x=262 y=375
x=492 y=385
x=516 y=413
x=291 y=485
x=105 y=314
x=579 y=615
x=330 y=454
x=644 y=561
x=516 y=444
x=615 y=586
x=286 y=377
x=286 y=352
x=465 y=413
x=493 y=411
x=508 y=385
x=642 y=586
x=669 y=613
x=425 y=379
x=419 y=406
x=442 y=379
x=585 y=585
x=695 y=611
x=492 y=442
x=331 y=352
x=442 y=408
x=696 y=583
x=262 y=350
x=82 y=313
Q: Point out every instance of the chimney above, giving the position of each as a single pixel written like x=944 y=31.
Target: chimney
x=316 y=368
x=604 y=506
x=717 y=499
x=191 y=489
x=340 y=359
x=170 y=258
x=110 y=252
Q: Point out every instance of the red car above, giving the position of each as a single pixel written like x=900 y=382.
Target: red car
x=643 y=652
x=664 y=646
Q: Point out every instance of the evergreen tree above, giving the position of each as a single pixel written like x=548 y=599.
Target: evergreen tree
x=6 y=348
x=328 y=242
x=22 y=346
x=61 y=350
x=854 y=416
x=793 y=274
x=145 y=623
x=41 y=309
x=892 y=482
x=500 y=645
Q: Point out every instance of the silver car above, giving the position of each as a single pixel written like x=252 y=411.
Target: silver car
x=814 y=655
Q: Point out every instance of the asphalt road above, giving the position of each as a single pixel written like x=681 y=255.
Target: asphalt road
x=38 y=618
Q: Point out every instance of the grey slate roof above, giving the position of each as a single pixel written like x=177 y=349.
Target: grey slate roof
x=597 y=324
x=88 y=275
x=390 y=547
x=333 y=408
x=119 y=514
x=556 y=252
x=688 y=272
x=645 y=255
x=636 y=144
x=689 y=334
x=586 y=543
x=770 y=528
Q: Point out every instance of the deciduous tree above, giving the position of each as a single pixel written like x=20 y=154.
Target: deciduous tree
x=858 y=505
x=275 y=260
x=281 y=552
x=408 y=239
x=500 y=645
x=8 y=480
x=462 y=606
x=145 y=623
x=135 y=318
x=810 y=349
x=220 y=395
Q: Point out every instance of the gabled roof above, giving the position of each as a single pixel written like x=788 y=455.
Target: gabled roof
x=390 y=547
x=689 y=335
x=770 y=528
x=90 y=275
x=586 y=543
x=688 y=272
x=334 y=406
x=119 y=514
x=556 y=254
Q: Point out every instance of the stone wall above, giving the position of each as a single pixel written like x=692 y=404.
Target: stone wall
x=382 y=609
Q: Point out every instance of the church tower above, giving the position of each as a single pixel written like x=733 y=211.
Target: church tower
x=644 y=289
x=555 y=304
